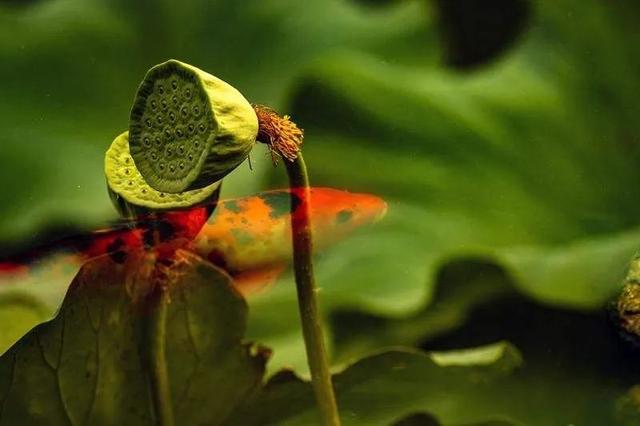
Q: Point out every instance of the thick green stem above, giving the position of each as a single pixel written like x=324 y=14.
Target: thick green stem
x=157 y=361
x=307 y=292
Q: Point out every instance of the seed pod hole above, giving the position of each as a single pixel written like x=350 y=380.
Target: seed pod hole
x=175 y=100
x=174 y=84
x=163 y=103
x=161 y=166
x=131 y=193
x=179 y=132
x=172 y=117
x=191 y=128
x=148 y=123
x=181 y=149
x=168 y=152
x=160 y=89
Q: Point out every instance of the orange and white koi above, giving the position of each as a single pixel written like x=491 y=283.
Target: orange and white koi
x=250 y=238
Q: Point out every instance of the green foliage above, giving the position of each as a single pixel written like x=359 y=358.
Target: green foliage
x=519 y=174
x=381 y=388
x=528 y=163
x=85 y=365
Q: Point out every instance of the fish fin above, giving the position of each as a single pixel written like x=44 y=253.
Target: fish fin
x=257 y=280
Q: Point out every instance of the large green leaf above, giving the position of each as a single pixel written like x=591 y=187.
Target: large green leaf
x=85 y=366
x=385 y=387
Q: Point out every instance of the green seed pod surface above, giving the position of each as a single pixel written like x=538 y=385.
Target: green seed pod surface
x=188 y=128
x=130 y=193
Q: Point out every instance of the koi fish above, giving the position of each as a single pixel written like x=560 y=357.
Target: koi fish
x=250 y=238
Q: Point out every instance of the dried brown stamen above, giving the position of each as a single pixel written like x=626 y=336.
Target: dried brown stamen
x=282 y=135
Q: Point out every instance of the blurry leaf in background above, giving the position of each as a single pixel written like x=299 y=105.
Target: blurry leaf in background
x=565 y=353
x=477 y=32
x=32 y=297
x=528 y=163
x=628 y=408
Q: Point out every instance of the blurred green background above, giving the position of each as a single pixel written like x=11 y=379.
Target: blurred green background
x=504 y=135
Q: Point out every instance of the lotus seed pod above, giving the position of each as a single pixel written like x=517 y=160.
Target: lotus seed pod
x=188 y=128
x=132 y=196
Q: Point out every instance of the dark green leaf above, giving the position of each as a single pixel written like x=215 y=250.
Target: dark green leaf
x=84 y=366
x=385 y=387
